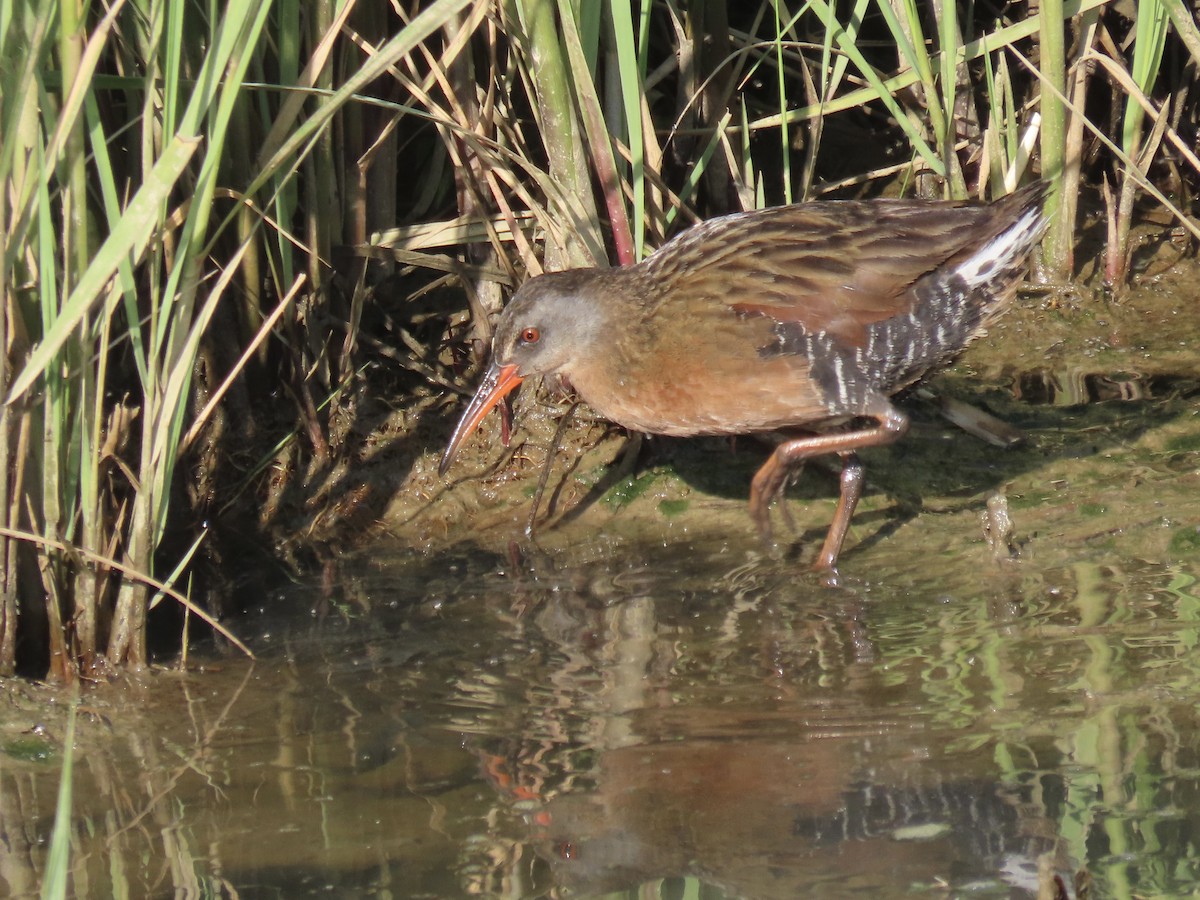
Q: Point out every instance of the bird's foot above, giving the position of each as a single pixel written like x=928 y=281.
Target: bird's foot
x=826 y=574
x=768 y=486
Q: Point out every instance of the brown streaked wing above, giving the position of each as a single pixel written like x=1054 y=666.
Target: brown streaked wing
x=835 y=266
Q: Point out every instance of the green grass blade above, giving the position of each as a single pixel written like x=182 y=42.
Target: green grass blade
x=1150 y=39
x=1005 y=36
x=878 y=90
x=1185 y=26
x=603 y=159
x=631 y=97
x=278 y=151
x=1054 y=119
x=129 y=238
x=58 y=857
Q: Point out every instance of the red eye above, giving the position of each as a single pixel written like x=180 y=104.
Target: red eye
x=530 y=336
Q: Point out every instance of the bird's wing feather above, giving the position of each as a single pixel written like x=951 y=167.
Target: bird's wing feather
x=835 y=267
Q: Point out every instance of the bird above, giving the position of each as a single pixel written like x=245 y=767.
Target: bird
x=802 y=320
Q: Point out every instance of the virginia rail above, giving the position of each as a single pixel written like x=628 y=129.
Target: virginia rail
x=800 y=319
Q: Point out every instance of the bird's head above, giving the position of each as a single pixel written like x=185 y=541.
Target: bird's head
x=552 y=321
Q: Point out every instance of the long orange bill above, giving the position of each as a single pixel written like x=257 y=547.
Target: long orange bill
x=497 y=382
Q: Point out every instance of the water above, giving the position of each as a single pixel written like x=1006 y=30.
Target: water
x=688 y=720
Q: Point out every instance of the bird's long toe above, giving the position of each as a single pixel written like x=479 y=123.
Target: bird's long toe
x=767 y=487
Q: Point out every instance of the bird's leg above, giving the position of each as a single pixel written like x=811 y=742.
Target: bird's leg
x=793 y=476
x=770 y=478
x=769 y=485
x=852 y=486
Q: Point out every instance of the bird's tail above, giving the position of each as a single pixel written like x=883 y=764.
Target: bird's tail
x=957 y=301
